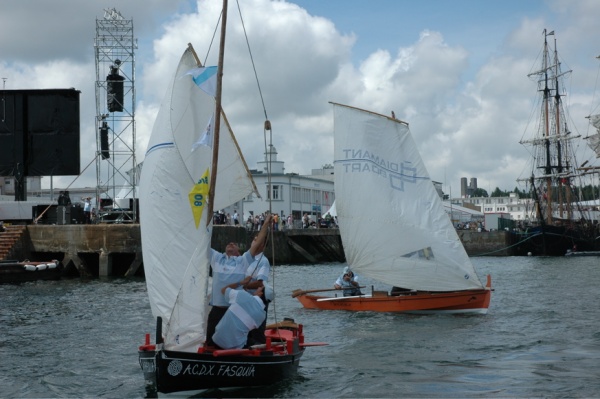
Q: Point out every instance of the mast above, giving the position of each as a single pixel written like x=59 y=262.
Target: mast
x=215 y=155
x=557 y=108
x=548 y=168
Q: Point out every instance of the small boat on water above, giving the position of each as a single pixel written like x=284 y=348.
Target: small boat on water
x=13 y=271
x=560 y=221
x=191 y=145
x=408 y=240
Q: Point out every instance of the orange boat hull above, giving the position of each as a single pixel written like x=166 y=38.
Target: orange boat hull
x=472 y=301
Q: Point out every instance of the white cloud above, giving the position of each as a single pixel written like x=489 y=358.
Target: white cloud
x=467 y=116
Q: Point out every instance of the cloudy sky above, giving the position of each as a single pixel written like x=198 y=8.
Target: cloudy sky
x=455 y=70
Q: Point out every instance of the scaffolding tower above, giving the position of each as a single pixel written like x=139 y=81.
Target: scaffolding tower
x=116 y=166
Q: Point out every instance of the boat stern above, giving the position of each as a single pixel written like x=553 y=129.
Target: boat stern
x=147 y=359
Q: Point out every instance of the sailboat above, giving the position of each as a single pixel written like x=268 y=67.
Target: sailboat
x=179 y=189
x=557 y=224
x=593 y=141
x=406 y=240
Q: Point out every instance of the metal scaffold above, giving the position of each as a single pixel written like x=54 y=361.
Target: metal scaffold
x=116 y=166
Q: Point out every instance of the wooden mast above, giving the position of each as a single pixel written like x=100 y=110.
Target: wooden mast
x=548 y=170
x=215 y=155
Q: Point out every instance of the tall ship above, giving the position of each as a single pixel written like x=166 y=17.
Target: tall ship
x=560 y=221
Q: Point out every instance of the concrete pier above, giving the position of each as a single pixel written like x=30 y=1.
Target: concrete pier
x=115 y=249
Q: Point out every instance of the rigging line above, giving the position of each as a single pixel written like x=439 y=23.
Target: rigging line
x=269 y=170
x=252 y=60
x=593 y=107
x=213 y=38
x=35 y=221
x=4 y=99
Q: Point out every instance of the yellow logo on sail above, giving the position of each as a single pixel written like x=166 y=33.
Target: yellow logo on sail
x=198 y=197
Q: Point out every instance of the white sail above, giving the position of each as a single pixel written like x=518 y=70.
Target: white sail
x=392 y=222
x=594 y=139
x=175 y=241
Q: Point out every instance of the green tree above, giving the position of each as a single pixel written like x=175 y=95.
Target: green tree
x=479 y=192
x=499 y=193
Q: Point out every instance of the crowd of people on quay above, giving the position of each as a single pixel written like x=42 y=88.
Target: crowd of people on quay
x=474 y=226
x=279 y=223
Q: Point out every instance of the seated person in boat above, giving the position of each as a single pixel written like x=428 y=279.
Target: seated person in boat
x=230 y=268
x=246 y=312
x=348 y=281
x=257 y=276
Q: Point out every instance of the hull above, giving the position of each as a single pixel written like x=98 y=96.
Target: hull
x=472 y=301
x=554 y=241
x=180 y=371
x=172 y=371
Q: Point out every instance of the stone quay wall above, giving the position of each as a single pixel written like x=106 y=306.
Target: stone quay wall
x=115 y=249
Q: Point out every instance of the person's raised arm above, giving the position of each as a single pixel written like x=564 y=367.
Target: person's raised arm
x=259 y=242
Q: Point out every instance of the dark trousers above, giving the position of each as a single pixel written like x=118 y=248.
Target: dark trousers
x=214 y=316
x=257 y=336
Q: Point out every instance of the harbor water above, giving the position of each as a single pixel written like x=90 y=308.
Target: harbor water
x=541 y=338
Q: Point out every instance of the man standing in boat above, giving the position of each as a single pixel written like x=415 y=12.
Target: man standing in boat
x=348 y=281
x=230 y=268
x=257 y=276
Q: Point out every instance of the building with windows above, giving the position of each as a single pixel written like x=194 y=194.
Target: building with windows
x=519 y=209
x=33 y=185
x=288 y=193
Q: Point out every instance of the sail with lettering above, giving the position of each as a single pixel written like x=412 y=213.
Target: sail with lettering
x=174 y=235
x=404 y=237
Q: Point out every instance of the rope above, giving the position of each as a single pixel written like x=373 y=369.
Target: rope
x=213 y=37
x=510 y=246
x=252 y=60
x=267 y=127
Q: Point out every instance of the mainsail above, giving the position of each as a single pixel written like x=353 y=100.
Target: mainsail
x=392 y=222
x=176 y=234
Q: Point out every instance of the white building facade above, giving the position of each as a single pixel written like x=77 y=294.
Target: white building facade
x=520 y=209
x=288 y=193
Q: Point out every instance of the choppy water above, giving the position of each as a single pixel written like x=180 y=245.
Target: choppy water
x=541 y=338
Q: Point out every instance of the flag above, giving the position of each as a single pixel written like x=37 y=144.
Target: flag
x=207 y=137
x=198 y=196
x=205 y=78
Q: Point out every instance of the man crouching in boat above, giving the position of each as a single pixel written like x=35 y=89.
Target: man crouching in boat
x=246 y=312
x=348 y=281
x=230 y=268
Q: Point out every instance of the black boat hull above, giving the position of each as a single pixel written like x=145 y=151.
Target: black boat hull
x=554 y=241
x=170 y=371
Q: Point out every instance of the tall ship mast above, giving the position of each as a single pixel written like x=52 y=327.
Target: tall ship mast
x=554 y=163
x=556 y=219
